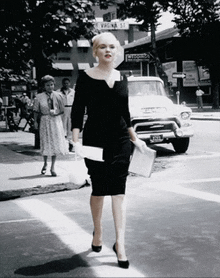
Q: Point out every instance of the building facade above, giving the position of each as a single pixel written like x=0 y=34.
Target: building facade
x=79 y=57
x=178 y=62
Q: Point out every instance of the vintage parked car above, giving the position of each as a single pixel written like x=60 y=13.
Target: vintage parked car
x=155 y=118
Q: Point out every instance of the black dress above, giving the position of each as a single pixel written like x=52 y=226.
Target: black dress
x=106 y=126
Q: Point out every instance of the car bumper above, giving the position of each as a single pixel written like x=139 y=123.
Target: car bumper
x=160 y=131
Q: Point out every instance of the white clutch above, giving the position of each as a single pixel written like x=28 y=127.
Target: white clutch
x=93 y=153
x=142 y=163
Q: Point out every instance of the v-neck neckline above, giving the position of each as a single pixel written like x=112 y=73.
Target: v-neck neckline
x=103 y=81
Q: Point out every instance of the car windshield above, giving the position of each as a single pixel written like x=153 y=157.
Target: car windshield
x=146 y=88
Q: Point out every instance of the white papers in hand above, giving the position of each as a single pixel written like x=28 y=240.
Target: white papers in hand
x=142 y=163
x=93 y=153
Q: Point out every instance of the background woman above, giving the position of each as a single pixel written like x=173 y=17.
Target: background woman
x=103 y=91
x=49 y=106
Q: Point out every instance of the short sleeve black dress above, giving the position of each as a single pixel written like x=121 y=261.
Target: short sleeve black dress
x=106 y=126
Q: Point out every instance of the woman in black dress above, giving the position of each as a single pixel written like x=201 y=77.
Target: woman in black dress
x=104 y=93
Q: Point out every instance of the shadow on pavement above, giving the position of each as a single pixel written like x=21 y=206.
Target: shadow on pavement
x=56 y=266
x=30 y=177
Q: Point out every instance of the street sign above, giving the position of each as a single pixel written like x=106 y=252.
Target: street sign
x=137 y=57
x=179 y=75
x=118 y=25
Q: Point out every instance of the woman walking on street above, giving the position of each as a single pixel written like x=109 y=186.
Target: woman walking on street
x=104 y=93
x=48 y=105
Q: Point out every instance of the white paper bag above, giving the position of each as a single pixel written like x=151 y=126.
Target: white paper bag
x=142 y=163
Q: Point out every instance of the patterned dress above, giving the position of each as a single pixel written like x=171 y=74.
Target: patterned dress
x=52 y=138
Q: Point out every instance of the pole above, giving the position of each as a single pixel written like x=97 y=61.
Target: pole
x=147 y=69
x=178 y=92
x=178 y=97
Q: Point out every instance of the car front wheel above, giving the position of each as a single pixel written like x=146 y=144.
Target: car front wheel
x=180 y=145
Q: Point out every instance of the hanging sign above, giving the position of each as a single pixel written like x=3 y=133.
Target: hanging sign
x=137 y=57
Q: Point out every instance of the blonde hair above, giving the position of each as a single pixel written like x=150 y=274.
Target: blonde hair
x=96 y=40
x=46 y=79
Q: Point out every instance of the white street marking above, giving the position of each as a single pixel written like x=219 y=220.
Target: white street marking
x=77 y=240
x=175 y=188
x=191 y=157
x=17 y=220
x=201 y=180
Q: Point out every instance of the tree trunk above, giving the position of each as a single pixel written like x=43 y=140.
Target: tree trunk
x=158 y=65
x=215 y=104
x=214 y=75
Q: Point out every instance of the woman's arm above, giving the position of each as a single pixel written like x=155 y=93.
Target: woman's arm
x=76 y=135
x=58 y=104
x=36 y=117
x=132 y=134
x=140 y=144
x=77 y=145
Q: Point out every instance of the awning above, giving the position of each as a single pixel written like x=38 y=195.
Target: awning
x=83 y=43
x=63 y=66
x=83 y=66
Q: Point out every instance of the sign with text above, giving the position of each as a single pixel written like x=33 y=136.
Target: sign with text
x=137 y=57
x=169 y=68
x=119 y=25
x=191 y=70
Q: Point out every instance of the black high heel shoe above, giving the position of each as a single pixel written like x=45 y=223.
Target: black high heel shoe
x=122 y=264
x=96 y=249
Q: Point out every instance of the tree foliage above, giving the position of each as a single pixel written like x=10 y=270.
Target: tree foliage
x=32 y=30
x=148 y=12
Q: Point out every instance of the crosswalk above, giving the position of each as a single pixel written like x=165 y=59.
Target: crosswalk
x=103 y=264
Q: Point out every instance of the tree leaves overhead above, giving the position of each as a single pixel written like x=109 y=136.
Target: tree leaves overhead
x=192 y=16
x=35 y=29
x=148 y=11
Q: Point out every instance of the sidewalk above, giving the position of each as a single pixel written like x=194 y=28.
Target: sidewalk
x=20 y=163
x=206 y=114
x=20 y=168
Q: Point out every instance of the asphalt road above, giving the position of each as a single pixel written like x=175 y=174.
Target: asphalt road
x=172 y=230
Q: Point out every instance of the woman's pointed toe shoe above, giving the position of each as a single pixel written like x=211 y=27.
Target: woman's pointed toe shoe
x=122 y=264
x=96 y=249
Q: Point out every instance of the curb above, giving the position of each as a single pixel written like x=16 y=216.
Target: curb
x=20 y=193
x=204 y=118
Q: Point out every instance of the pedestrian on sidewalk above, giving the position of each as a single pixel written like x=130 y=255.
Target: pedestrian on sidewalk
x=103 y=92
x=68 y=97
x=49 y=106
x=199 y=94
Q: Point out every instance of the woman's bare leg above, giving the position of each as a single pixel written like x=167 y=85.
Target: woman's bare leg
x=45 y=161
x=53 y=160
x=119 y=215
x=96 y=204
x=44 y=169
